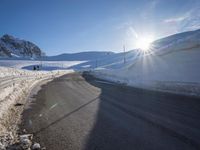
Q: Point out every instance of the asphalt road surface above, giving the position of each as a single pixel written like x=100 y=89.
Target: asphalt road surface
x=80 y=112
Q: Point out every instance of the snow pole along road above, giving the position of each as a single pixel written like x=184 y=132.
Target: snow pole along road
x=82 y=112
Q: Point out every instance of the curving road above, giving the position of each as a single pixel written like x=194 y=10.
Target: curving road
x=80 y=112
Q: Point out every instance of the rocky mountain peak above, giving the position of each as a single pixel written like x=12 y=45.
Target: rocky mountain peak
x=14 y=47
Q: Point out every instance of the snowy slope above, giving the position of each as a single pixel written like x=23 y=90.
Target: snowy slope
x=176 y=42
x=80 y=61
x=82 y=56
x=111 y=60
x=172 y=65
x=92 y=59
x=115 y=60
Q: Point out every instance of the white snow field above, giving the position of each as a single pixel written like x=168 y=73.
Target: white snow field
x=46 y=65
x=15 y=84
x=173 y=65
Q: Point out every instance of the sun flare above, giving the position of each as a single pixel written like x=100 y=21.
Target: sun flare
x=144 y=43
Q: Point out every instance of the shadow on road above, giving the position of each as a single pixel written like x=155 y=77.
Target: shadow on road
x=130 y=118
x=65 y=116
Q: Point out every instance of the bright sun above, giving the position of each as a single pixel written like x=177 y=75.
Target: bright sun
x=144 y=43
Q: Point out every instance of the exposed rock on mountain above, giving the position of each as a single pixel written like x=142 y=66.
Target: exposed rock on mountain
x=14 y=47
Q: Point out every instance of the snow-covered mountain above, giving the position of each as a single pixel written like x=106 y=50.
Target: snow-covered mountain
x=81 y=56
x=176 y=42
x=180 y=41
x=111 y=60
x=172 y=64
x=14 y=47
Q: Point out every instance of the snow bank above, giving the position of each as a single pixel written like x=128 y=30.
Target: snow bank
x=15 y=85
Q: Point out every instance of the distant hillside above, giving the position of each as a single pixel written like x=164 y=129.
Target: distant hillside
x=82 y=56
x=13 y=47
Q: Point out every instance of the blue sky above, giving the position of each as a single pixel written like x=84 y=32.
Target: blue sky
x=67 y=26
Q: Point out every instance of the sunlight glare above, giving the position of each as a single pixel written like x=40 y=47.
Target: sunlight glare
x=144 y=43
